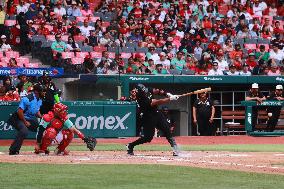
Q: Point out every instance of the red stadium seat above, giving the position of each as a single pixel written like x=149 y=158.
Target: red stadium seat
x=81 y=54
x=250 y=46
x=94 y=19
x=96 y=54
x=1 y=54
x=80 y=18
x=79 y=38
x=50 y=37
x=77 y=60
x=22 y=61
x=64 y=37
x=100 y=48
x=126 y=55
x=5 y=60
x=10 y=22
x=12 y=54
x=66 y=55
x=3 y=64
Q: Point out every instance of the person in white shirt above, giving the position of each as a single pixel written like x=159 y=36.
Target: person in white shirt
x=222 y=63
x=215 y=70
x=59 y=10
x=276 y=53
x=245 y=71
x=263 y=5
x=257 y=9
x=4 y=46
x=198 y=50
x=85 y=29
x=163 y=60
x=233 y=70
x=21 y=7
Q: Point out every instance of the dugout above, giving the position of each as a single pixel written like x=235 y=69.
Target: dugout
x=227 y=92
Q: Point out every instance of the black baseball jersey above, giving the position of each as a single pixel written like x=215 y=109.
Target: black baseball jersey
x=203 y=109
x=273 y=96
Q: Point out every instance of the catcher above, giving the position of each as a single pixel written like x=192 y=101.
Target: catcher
x=59 y=129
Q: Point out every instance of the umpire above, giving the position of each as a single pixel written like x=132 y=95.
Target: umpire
x=152 y=118
x=25 y=118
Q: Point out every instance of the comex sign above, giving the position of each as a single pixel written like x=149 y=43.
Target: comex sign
x=101 y=122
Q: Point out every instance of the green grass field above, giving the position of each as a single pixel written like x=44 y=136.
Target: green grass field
x=43 y=176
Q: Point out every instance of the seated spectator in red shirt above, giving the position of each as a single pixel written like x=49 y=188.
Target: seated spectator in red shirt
x=42 y=30
x=11 y=95
x=237 y=62
x=136 y=11
x=206 y=23
x=202 y=69
x=160 y=42
x=213 y=45
x=237 y=51
x=277 y=29
x=39 y=19
x=251 y=61
x=58 y=28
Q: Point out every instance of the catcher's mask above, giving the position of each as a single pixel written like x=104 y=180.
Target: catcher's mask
x=60 y=110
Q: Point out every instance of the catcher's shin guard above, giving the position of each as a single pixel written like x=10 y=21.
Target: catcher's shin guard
x=67 y=138
x=48 y=136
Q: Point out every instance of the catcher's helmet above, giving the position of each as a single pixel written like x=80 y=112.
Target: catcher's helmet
x=60 y=110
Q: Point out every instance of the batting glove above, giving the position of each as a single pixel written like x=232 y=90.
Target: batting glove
x=174 y=97
x=169 y=94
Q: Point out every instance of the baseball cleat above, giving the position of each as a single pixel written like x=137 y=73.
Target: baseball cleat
x=13 y=152
x=129 y=150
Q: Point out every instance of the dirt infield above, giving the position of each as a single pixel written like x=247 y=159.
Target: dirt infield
x=263 y=162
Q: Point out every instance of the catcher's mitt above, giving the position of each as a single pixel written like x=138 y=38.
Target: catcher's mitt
x=91 y=142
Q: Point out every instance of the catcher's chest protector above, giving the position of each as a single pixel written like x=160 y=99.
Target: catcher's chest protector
x=56 y=124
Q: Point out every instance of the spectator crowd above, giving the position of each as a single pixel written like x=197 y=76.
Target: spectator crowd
x=192 y=37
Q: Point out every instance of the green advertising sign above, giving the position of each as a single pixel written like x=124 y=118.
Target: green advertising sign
x=99 y=119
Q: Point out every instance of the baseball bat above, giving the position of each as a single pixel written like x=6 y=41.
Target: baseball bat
x=197 y=92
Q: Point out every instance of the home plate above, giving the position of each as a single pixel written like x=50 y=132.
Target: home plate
x=1 y=153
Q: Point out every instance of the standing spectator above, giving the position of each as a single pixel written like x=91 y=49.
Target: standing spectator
x=215 y=70
x=25 y=118
x=22 y=7
x=203 y=114
x=4 y=45
x=58 y=46
x=273 y=112
x=59 y=10
x=74 y=10
x=255 y=95
x=85 y=29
